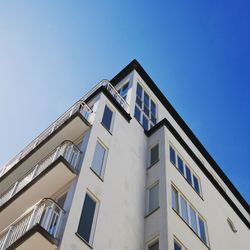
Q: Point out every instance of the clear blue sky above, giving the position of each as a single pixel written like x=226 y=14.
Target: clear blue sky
x=197 y=52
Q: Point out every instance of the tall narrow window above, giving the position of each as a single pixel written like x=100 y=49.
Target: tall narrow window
x=107 y=118
x=184 y=209
x=196 y=184
x=98 y=160
x=180 y=165
x=154 y=155
x=86 y=221
x=153 y=200
x=154 y=246
x=193 y=219
x=172 y=155
x=202 y=230
x=175 y=201
x=188 y=175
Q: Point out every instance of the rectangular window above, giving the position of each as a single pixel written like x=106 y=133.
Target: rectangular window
x=175 y=201
x=154 y=246
x=180 y=164
x=99 y=159
x=184 y=209
x=188 y=175
x=107 y=118
x=189 y=215
x=153 y=198
x=145 y=106
x=177 y=246
x=154 y=155
x=172 y=155
x=123 y=91
x=87 y=218
x=196 y=184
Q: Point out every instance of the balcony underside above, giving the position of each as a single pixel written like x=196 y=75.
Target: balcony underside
x=36 y=238
x=70 y=130
x=51 y=180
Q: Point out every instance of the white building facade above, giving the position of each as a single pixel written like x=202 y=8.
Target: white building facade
x=120 y=170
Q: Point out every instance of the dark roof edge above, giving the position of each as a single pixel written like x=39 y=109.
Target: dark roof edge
x=135 y=65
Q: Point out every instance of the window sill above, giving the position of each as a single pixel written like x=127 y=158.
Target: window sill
x=151 y=165
x=106 y=128
x=147 y=215
x=79 y=236
x=187 y=181
x=191 y=229
x=99 y=177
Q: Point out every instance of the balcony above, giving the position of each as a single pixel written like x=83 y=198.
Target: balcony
x=38 y=228
x=43 y=180
x=69 y=126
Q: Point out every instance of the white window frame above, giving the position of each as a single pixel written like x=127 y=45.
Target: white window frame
x=157 y=183
x=149 y=154
x=112 y=119
x=179 y=242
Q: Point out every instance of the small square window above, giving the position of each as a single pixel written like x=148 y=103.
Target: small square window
x=154 y=155
x=107 y=118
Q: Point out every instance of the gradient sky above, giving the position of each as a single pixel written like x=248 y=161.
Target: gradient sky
x=197 y=52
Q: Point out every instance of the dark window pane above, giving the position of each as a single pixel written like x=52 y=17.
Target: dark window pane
x=139 y=101
x=188 y=175
x=193 y=220
x=107 y=118
x=153 y=108
x=196 y=184
x=153 y=119
x=137 y=114
x=139 y=90
x=86 y=220
x=146 y=99
x=202 y=230
x=155 y=246
x=146 y=110
x=153 y=198
x=177 y=246
x=175 y=201
x=154 y=154
x=172 y=155
x=98 y=159
x=184 y=209
x=123 y=90
x=145 y=123
x=180 y=165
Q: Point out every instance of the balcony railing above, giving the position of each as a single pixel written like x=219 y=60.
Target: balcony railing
x=67 y=149
x=46 y=213
x=80 y=106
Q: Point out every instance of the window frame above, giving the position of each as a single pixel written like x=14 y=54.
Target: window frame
x=104 y=161
x=94 y=220
x=148 y=211
x=110 y=130
x=150 y=154
x=121 y=89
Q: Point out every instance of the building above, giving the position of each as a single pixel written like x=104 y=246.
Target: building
x=120 y=170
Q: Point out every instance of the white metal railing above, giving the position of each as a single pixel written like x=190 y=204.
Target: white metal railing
x=46 y=213
x=67 y=149
x=79 y=106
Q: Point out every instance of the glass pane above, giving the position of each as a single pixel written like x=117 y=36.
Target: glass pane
x=154 y=154
x=153 y=108
x=193 y=220
x=146 y=110
x=123 y=90
x=155 y=246
x=184 y=209
x=145 y=122
x=180 y=165
x=172 y=155
x=137 y=114
x=196 y=184
x=177 y=246
x=202 y=230
x=188 y=175
x=139 y=90
x=153 y=198
x=97 y=162
x=86 y=220
x=153 y=119
x=146 y=99
x=107 y=118
x=175 y=202
x=139 y=101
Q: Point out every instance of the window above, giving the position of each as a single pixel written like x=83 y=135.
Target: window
x=178 y=245
x=154 y=246
x=61 y=200
x=185 y=170
x=189 y=215
x=87 y=218
x=107 y=118
x=99 y=159
x=145 y=108
x=123 y=91
x=154 y=155
x=153 y=198
x=172 y=155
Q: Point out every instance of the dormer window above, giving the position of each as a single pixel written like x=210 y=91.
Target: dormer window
x=145 y=108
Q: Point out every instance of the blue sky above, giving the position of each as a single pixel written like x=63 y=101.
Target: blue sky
x=197 y=52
